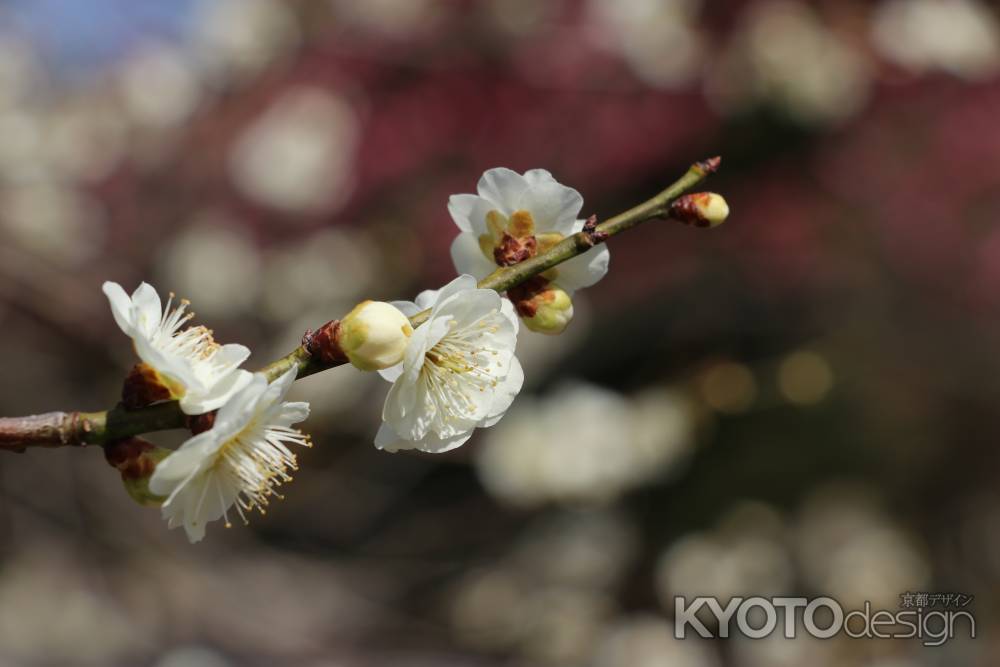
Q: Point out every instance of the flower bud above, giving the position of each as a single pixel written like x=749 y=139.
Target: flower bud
x=701 y=209
x=136 y=459
x=374 y=335
x=547 y=311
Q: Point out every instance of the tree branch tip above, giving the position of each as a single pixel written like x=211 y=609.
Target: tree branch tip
x=709 y=166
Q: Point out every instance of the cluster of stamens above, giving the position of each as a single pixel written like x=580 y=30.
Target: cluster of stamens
x=458 y=362
x=257 y=462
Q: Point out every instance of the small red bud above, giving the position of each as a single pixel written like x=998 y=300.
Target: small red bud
x=324 y=343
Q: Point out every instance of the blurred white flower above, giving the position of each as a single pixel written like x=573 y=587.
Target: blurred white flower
x=298 y=155
x=658 y=38
x=84 y=136
x=235 y=39
x=582 y=549
x=956 y=36
x=505 y=608
x=582 y=444
x=459 y=371
x=392 y=17
x=745 y=555
x=776 y=650
x=201 y=374
x=783 y=55
x=529 y=213
x=57 y=222
x=324 y=269
x=51 y=611
x=159 y=86
x=239 y=462
x=648 y=641
x=217 y=260
x=848 y=549
x=21 y=72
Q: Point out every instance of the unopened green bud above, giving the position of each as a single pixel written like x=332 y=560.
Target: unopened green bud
x=548 y=311
x=374 y=335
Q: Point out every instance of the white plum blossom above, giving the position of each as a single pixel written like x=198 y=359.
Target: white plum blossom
x=533 y=209
x=201 y=374
x=238 y=462
x=459 y=371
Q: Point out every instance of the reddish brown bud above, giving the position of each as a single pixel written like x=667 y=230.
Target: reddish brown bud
x=143 y=387
x=129 y=457
x=513 y=250
x=200 y=423
x=324 y=343
x=522 y=296
x=136 y=460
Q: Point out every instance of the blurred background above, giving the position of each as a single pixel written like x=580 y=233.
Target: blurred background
x=801 y=402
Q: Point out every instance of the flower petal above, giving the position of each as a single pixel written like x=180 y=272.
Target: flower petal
x=462 y=283
x=199 y=400
x=553 y=206
x=538 y=176
x=392 y=373
x=387 y=439
x=503 y=188
x=583 y=270
x=182 y=463
x=505 y=393
x=468 y=257
x=147 y=311
x=121 y=305
x=469 y=212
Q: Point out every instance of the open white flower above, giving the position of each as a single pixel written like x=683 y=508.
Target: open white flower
x=239 y=461
x=201 y=374
x=459 y=371
x=534 y=212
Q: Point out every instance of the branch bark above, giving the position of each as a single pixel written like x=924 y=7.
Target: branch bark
x=75 y=429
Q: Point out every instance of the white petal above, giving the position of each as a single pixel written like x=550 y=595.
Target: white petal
x=426 y=298
x=147 y=311
x=505 y=393
x=468 y=307
x=237 y=411
x=182 y=463
x=408 y=308
x=388 y=440
x=507 y=309
x=121 y=305
x=469 y=212
x=554 y=207
x=392 y=373
x=537 y=176
x=469 y=258
x=503 y=188
x=232 y=354
x=198 y=400
x=462 y=283
x=583 y=270
x=292 y=412
x=284 y=383
x=405 y=409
